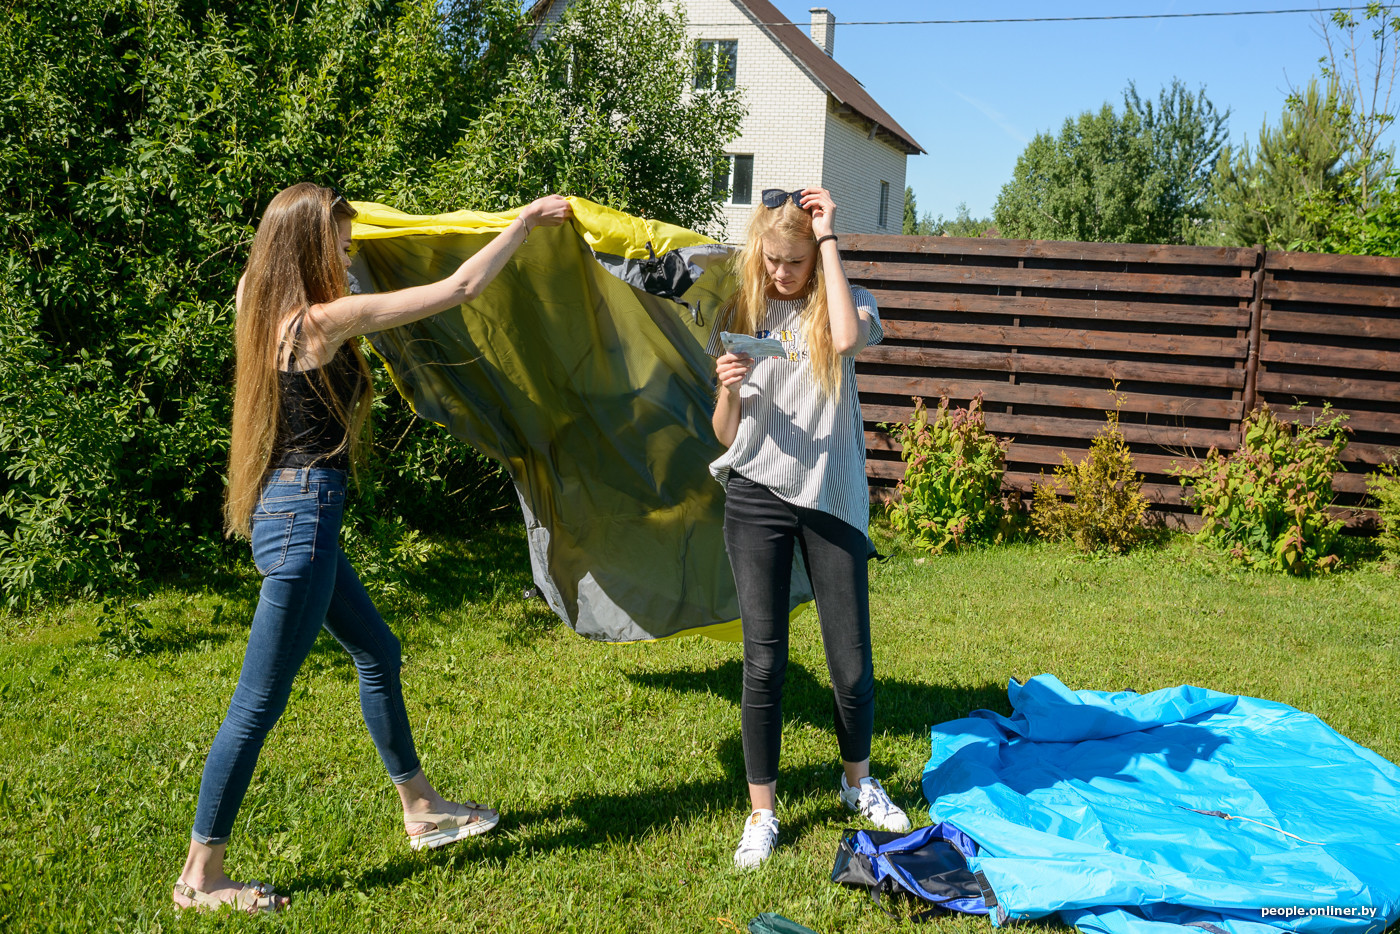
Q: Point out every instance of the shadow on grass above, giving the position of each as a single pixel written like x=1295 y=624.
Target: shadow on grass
x=900 y=706
x=589 y=821
x=607 y=818
x=491 y=564
x=229 y=621
x=491 y=568
x=130 y=627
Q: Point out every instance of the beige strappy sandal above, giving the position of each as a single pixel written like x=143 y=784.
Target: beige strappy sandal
x=468 y=820
x=254 y=898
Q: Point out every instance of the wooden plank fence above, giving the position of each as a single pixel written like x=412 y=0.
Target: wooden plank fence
x=1194 y=337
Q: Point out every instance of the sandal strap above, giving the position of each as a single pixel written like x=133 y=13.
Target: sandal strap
x=256 y=896
x=253 y=897
x=470 y=813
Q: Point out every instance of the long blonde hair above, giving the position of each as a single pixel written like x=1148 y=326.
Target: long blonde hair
x=294 y=263
x=786 y=224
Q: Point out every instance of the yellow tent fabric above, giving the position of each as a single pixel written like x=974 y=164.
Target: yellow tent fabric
x=594 y=393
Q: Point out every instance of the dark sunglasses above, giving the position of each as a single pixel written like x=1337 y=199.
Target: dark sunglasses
x=776 y=197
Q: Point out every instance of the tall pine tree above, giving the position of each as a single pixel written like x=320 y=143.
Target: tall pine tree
x=1260 y=193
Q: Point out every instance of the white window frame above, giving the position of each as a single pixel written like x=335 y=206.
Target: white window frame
x=708 y=52
x=730 y=181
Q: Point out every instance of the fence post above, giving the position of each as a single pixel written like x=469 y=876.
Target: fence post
x=1256 y=323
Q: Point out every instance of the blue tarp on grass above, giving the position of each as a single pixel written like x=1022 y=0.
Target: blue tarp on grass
x=1089 y=806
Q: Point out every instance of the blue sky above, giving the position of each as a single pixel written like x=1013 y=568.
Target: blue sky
x=975 y=95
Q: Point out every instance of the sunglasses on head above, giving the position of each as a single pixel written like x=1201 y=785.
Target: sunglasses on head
x=776 y=197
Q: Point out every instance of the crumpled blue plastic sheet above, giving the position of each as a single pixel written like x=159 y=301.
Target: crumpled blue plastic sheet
x=1141 y=814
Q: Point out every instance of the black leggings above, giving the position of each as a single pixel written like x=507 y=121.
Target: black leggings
x=759 y=532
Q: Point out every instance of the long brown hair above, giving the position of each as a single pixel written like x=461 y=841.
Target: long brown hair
x=787 y=224
x=294 y=263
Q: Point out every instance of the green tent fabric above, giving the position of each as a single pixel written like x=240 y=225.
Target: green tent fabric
x=594 y=392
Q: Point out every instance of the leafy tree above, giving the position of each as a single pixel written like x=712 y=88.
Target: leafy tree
x=139 y=144
x=1367 y=87
x=1358 y=211
x=1187 y=134
x=1260 y=195
x=963 y=224
x=1339 y=229
x=1135 y=176
x=1321 y=180
x=139 y=141
x=609 y=111
x=1086 y=184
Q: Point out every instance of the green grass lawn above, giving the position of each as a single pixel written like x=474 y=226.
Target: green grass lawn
x=618 y=768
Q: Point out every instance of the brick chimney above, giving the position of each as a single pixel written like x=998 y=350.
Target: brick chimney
x=824 y=29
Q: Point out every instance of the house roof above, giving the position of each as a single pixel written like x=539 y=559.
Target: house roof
x=830 y=76
x=837 y=81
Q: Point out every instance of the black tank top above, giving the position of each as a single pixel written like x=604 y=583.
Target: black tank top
x=308 y=432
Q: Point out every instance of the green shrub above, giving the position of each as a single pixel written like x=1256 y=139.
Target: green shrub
x=383 y=551
x=143 y=139
x=1267 y=503
x=951 y=492
x=1383 y=487
x=123 y=630
x=1107 y=506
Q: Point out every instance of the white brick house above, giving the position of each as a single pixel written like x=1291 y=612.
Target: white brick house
x=809 y=121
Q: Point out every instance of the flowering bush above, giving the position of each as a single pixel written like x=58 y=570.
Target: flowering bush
x=1267 y=503
x=951 y=492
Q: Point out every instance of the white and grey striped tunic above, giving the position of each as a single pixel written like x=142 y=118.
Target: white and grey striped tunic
x=807 y=448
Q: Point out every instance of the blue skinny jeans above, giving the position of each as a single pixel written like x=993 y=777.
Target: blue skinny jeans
x=307 y=583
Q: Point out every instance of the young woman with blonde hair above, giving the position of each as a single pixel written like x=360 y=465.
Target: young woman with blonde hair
x=794 y=475
x=301 y=402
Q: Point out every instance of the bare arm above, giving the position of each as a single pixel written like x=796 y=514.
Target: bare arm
x=354 y=315
x=731 y=370
x=850 y=327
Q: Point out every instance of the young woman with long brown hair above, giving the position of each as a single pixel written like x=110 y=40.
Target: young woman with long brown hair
x=300 y=409
x=794 y=475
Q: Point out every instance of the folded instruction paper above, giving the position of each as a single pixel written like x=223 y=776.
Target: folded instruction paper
x=756 y=347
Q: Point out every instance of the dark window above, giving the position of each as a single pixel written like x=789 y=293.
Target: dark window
x=743 y=180
x=734 y=179
x=722 y=176
x=716 y=63
x=883 y=219
x=727 y=64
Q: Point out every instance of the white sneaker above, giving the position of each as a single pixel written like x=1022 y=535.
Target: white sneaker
x=870 y=800
x=760 y=836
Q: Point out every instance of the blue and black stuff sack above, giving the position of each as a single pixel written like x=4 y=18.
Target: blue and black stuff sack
x=928 y=865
